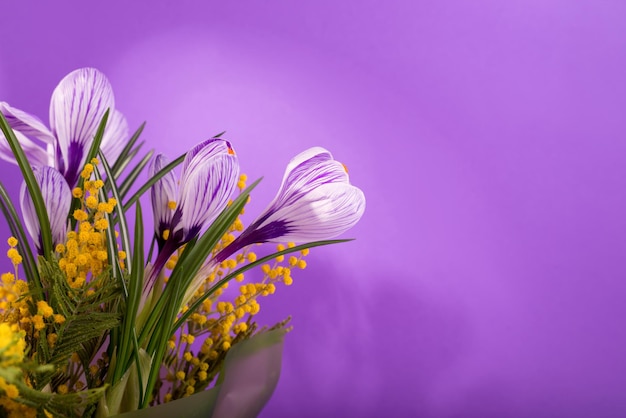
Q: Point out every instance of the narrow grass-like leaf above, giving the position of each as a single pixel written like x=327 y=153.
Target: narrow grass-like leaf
x=110 y=236
x=121 y=217
x=129 y=158
x=128 y=338
x=132 y=176
x=124 y=158
x=157 y=176
x=116 y=269
x=191 y=260
x=29 y=264
x=245 y=268
x=157 y=311
x=93 y=151
x=97 y=139
x=31 y=184
x=163 y=333
x=211 y=237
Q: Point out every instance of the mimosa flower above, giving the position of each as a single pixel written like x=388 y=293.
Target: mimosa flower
x=57 y=198
x=77 y=106
x=315 y=202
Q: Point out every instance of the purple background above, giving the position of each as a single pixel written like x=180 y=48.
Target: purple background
x=488 y=274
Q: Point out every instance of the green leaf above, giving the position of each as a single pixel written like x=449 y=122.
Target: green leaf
x=132 y=176
x=85 y=318
x=120 y=215
x=128 y=340
x=72 y=404
x=189 y=263
x=163 y=334
x=126 y=155
x=198 y=255
x=17 y=229
x=245 y=268
x=31 y=184
x=93 y=151
x=252 y=388
x=97 y=140
x=128 y=392
x=157 y=176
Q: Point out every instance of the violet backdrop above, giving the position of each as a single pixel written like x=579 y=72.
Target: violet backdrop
x=488 y=274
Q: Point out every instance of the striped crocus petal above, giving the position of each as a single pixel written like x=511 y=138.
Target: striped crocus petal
x=76 y=109
x=323 y=213
x=115 y=136
x=315 y=202
x=307 y=171
x=27 y=129
x=208 y=179
x=57 y=200
x=163 y=195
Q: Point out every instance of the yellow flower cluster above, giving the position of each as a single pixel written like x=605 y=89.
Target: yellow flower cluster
x=17 y=410
x=84 y=253
x=191 y=367
x=14 y=299
x=15 y=304
x=12 y=345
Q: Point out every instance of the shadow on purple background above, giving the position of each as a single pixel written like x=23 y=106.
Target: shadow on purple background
x=487 y=278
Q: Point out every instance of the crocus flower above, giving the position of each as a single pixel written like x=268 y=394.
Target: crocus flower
x=315 y=202
x=77 y=106
x=183 y=208
x=208 y=178
x=57 y=199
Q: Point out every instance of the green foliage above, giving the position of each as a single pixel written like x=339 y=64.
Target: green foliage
x=112 y=317
x=86 y=319
x=31 y=184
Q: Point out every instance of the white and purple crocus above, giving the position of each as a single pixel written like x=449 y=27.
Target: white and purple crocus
x=58 y=154
x=315 y=202
x=57 y=198
x=185 y=206
x=77 y=106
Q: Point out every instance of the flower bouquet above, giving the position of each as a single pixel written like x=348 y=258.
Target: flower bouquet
x=97 y=320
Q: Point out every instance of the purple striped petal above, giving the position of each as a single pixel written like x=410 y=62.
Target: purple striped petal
x=77 y=107
x=162 y=193
x=27 y=128
x=315 y=202
x=57 y=199
x=208 y=179
x=115 y=136
x=324 y=213
x=307 y=171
